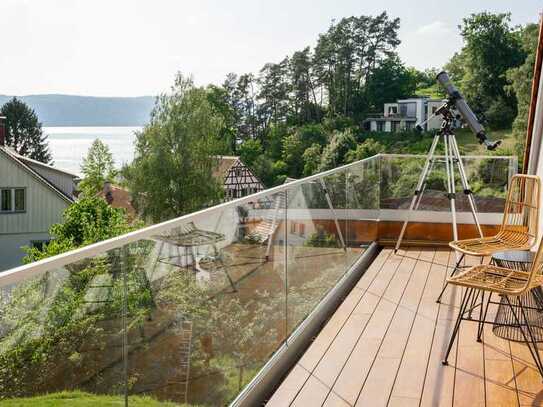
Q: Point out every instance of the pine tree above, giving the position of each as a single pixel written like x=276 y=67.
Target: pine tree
x=24 y=132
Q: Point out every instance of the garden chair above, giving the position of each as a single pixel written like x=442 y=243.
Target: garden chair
x=519 y=228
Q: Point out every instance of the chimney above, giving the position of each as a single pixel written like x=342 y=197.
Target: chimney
x=107 y=192
x=2 y=131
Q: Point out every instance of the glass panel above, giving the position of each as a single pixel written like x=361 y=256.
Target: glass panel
x=62 y=331
x=216 y=304
x=362 y=202
x=5 y=200
x=19 y=199
x=318 y=257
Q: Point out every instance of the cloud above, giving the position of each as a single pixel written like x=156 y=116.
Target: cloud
x=435 y=28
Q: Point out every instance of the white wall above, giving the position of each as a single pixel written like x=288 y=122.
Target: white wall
x=11 y=253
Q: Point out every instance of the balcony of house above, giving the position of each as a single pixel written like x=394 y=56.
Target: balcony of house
x=290 y=296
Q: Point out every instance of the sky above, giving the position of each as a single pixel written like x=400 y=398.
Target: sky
x=135 y=47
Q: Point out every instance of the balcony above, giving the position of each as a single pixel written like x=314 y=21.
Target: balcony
x=291 y=295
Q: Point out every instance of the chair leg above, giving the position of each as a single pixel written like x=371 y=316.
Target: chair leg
x=465 y=301
x=532 y=346
x=482 y=317
x=452 y=274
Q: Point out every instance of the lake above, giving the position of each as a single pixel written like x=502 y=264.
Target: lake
x=69 y=145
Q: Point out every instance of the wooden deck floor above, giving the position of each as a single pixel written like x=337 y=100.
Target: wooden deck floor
x=384 y=345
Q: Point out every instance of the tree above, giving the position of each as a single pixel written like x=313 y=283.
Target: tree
x=24 y=132
x=88 y=220
x=333 y=154
x=368 y=148
x=97 y=168
x=175 y=152
x=347 y=53
x=249 y=151
x=492 y=47
x=311 y=158
x=390 y=81
x=521 y=79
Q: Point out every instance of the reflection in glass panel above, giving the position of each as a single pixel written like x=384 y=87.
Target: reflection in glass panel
x=488 y=177
x=317 y=250
x=63 y=330
x=217 y=304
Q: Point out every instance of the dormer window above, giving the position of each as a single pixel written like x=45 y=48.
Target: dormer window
x=12 y=200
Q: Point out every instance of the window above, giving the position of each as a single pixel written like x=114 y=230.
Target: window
x=12 y=200
x=39 y=244
x=6 y=201
x=20 y=199
x=392 y=109
x=292 y=227
x=409 y=125
x=395 y=126
x=302 y=229
x=380 y=126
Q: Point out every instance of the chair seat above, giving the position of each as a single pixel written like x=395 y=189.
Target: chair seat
x=496 y=279
x=486 y=246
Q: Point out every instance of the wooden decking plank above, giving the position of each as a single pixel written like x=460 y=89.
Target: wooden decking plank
x=412 y=372
x=500 y=382
x=380 y=381
x=469 y=382
x=360 y=360
x=333 y=361
x=290 y=387
x=324 y=339
x=438 y=385
x=528 y=380
x=312 y=394
x=333 y=400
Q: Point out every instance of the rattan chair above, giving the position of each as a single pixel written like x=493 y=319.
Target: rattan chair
x=482 y=280
x=519 y=228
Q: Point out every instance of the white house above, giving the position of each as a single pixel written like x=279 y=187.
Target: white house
x=33 y=196
x=405 y=114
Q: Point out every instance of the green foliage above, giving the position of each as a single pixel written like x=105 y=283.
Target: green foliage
x=521 y=84
x=82 y=399
x=312 y=159
x=175 y=152
x=367 y=148
x=390 y=81
x=249 y=151
x=88 y=220
x=24 y=132
x=491 y=47
x=321 y=238
x=97 y=168
x=334 y=153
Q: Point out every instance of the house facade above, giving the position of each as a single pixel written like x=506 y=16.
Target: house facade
x=405 y=114
x=33 y=196
x=237 y=178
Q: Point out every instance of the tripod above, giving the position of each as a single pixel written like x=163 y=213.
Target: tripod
x=452 y=157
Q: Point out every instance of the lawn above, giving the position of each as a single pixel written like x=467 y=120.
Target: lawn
x=82 y=399
x=469 y=145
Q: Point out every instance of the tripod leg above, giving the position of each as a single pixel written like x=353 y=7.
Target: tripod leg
x=421 y=181
x=419 y=198
x=465 y=183
x=450 y=183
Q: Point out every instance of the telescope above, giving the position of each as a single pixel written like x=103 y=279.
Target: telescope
x=456 y=98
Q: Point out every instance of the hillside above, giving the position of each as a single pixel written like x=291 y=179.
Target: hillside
x=67 y=110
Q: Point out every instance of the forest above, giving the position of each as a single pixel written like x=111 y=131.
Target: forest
x=305 y=113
